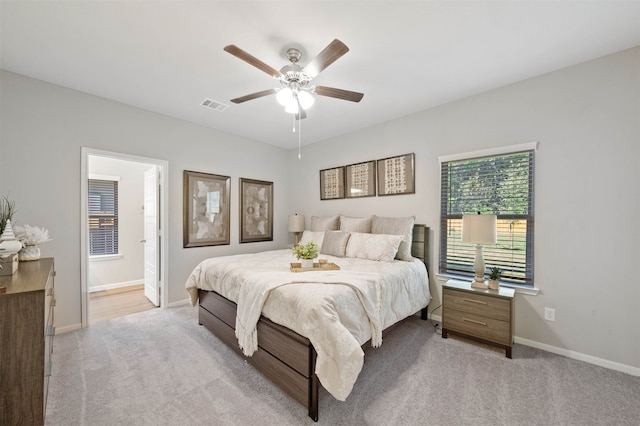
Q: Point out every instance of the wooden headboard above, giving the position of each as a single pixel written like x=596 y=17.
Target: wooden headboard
x=420 y=243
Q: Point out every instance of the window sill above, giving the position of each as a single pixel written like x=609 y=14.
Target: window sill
x=520 y=289
x=104 y=257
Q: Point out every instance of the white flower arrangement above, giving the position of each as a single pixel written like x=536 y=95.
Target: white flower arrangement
x=31 y=235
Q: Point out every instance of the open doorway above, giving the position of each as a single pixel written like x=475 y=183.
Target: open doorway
x=123 y=225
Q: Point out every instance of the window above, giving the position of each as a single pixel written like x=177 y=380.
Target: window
x=500 y=184
x=103 y=217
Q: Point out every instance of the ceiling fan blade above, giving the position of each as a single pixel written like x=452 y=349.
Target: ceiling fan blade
x=329 y=55
x=252 y=60
x=332 y=92
x=253 y=96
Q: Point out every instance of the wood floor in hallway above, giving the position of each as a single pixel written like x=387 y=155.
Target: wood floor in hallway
x=108 y=304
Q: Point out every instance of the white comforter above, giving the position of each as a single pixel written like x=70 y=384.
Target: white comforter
x=337 y=311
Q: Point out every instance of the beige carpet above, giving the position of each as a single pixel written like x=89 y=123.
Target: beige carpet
x=160 y=368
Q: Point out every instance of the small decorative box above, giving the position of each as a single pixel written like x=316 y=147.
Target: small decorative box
x=9 y=264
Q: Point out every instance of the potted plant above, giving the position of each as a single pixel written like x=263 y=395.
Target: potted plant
x=494 y=277
x=31 y=237
x=306 y=253
x=7 y=210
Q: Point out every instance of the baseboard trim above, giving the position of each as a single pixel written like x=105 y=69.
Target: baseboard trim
x=68 y=328
x=628 y=369
x=115 y=285
x=623 y=368
x=178 y=303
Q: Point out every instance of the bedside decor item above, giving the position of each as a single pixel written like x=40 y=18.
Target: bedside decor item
x=31 y=237
x=396 y=175
x=256 y=210
x=479 y=229
x=296 y=225
x=7 y=210
x=206 y=209
x=305 y=253
x=494 y=277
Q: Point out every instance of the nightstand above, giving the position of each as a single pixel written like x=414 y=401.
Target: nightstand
x=485 y=315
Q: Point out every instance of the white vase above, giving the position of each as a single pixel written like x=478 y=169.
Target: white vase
x=29 y=253
x=306 y=263
x=8 y=242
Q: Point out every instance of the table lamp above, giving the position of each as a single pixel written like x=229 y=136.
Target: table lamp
x=296 y=225
x=479 y=229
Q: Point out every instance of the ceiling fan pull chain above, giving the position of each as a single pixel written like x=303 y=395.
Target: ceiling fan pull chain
x=299 y=137
x=294 y=123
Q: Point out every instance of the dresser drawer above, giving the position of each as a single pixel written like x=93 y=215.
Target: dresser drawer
x=478 y=304
x=478 y=326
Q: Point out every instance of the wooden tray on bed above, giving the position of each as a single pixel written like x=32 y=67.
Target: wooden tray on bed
x=330 y=266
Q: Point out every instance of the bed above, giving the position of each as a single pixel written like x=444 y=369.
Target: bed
x=356 y=306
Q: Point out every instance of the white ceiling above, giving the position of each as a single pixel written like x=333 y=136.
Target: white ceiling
x=405 y=56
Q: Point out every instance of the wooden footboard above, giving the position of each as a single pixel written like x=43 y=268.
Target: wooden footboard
x=283 y=356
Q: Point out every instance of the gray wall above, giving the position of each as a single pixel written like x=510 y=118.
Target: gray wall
x=43 y=128
x=587 y=211
x=587 y=233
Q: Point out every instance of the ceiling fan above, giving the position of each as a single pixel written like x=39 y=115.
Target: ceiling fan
x=296 y=91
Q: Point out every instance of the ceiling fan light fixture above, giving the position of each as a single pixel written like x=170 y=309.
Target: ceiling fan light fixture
x=306 y=99
x=291 y=107
x=285 y=96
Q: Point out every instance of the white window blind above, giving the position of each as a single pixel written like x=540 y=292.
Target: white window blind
x=500 y=184
x=103 y=217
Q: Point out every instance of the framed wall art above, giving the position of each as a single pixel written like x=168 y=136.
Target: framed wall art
x=360 y=180
x=206 y=209
x=396 y=175
x=332 y=183
x=256 y=210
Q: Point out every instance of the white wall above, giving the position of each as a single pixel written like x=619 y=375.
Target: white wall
x=587 y=228
x=129 y=267
x=43 y=128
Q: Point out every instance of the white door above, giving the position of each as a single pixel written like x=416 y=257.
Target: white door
x=151 y=220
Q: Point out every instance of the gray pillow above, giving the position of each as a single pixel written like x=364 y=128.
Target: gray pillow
x=356 y=224
x=329 y=223
x=396 y=226
x=335 y=243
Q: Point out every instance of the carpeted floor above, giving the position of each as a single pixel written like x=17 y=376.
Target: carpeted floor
x=161 y=368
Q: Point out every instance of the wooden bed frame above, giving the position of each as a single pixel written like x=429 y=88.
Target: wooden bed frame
x=283 y=356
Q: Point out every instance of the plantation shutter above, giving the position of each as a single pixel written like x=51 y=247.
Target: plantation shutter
x=103 y=217
x=496 y=184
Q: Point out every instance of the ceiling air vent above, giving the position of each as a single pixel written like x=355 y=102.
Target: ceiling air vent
x=218 y=106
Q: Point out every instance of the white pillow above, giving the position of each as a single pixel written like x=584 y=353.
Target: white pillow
x=380 y=247
x=316 y=237
x=396 y=226
x=329 y=223
x=355 y=224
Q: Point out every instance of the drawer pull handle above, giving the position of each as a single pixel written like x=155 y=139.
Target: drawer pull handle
x=482 y=302
x=474 y=321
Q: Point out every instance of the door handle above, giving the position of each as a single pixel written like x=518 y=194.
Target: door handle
x=143 y=241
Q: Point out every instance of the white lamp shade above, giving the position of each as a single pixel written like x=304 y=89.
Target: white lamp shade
x=296 y=223
x=479 y=228
x=284 y=96
x=292 y=107
x=306 y=100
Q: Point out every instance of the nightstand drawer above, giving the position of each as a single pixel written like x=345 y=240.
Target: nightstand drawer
x=478 y=304
x=478 y=326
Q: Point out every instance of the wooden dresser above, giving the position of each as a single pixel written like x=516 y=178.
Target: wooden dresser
x=485 y=315
x=26 y=335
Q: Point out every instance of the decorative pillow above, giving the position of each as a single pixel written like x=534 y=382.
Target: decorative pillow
x=380 y=247
x=355 y=224
x=335 y=243
x=316 y=237
x=324 y=223
x=396 y=226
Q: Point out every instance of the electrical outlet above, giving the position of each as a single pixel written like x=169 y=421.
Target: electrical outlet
x=549 y=314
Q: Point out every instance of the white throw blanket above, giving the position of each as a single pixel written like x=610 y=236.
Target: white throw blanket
x=256 y=288
x=362 y=299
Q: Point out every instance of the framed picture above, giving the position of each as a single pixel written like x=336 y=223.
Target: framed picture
x=396 y=175
x=256 y=210
x=206 y=209
x=332 y=183
x=360 y=180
